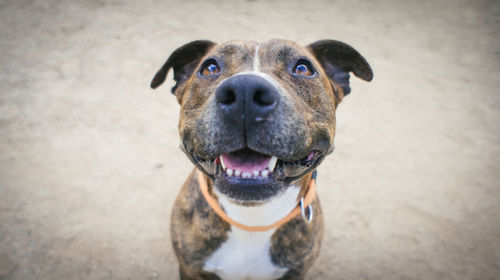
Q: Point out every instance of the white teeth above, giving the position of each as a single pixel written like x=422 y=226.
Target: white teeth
x=272 y=163
x=252 y=174
x=247 y=175
x=222 y=163
x=264 y=173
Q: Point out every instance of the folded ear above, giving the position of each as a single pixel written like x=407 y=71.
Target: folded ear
x=337 y=60
x=184 y=61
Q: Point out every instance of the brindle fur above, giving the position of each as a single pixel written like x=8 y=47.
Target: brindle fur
x=196 y=232
x=296 y=244
x=304 y=121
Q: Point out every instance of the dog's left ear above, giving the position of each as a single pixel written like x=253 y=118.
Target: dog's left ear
x=184 y=61
x=337 y=60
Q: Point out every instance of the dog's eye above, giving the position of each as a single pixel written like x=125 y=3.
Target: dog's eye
x=303 y=68
x=210 y=68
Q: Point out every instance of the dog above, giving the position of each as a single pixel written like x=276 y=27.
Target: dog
x=256 y=120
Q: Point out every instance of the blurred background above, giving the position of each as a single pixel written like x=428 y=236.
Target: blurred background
x=90 y=161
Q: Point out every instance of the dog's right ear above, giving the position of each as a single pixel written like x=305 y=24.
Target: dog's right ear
x=184 y=61
x=338 y=60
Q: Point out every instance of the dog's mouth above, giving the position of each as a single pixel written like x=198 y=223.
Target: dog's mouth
x=251 y=165
x=247 y=164
x=251 y=176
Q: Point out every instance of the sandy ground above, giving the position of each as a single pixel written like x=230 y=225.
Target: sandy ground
x=89 y=157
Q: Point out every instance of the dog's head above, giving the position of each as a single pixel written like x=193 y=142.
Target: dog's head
x=257 y=117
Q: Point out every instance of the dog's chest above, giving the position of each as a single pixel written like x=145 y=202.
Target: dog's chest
x=246 y=255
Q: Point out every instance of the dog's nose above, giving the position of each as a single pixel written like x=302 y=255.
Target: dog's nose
x=246 y=98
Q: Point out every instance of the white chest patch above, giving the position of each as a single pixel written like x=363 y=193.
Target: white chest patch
x=245 y=254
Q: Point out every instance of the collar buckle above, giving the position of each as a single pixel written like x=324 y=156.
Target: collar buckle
x=309 y=217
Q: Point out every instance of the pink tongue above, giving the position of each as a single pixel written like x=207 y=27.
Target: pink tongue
x=246 y=161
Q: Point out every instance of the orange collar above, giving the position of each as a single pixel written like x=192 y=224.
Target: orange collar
x=305 y=202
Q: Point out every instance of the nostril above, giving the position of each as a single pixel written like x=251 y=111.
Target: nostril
x=228 y=98
x=263 y=98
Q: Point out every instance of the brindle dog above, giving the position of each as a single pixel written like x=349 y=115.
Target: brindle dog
x=256 y=119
